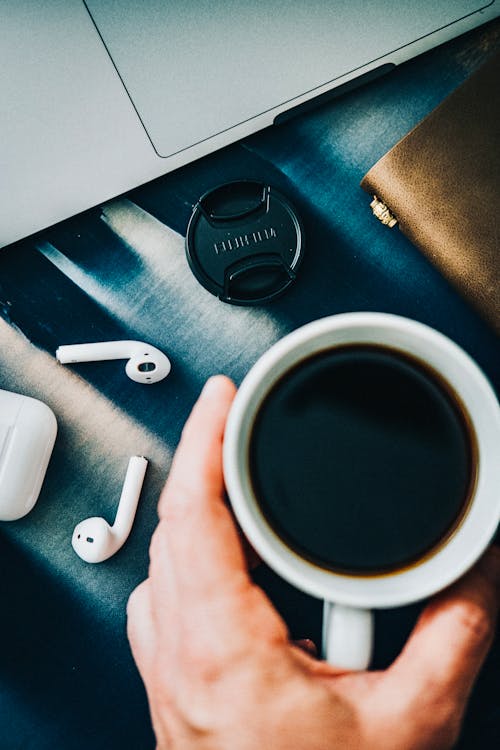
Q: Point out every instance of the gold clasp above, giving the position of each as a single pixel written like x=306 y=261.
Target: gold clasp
x=382 y=213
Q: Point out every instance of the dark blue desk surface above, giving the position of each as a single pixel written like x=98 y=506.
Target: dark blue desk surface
x=67 y=679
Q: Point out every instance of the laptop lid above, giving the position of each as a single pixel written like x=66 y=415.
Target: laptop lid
x=96 y=99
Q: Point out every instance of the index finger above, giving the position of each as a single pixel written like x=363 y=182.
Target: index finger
x=203 y=542
x=451 y=639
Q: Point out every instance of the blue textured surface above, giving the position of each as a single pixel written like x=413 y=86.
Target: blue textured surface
x=68 y=679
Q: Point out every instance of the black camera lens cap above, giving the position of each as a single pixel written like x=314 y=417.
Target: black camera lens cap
x=244 y=242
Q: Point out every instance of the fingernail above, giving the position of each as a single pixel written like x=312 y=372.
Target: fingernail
x=491 y=564
x=211 y=386
x=307 y=645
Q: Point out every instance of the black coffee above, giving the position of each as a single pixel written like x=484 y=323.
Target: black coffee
x=361 y=460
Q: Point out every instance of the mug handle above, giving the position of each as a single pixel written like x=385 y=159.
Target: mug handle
x=347 y=636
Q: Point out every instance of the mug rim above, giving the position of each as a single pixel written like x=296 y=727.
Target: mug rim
x=455 y=555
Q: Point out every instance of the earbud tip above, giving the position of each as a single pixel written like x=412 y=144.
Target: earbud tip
x=91 y=540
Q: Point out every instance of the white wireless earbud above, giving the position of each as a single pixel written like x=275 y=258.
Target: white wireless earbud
x=94 y=540
x=146 y=364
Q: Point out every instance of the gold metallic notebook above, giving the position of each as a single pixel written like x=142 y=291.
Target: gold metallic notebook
x=441 y=184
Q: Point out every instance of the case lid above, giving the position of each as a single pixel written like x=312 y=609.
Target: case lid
x=244 y=242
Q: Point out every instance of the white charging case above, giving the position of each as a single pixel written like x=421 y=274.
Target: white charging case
x=28 y=431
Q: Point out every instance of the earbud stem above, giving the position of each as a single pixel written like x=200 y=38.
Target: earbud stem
x=101 y=350
x=129 y=498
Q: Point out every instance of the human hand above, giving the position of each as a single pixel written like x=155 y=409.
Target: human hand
x=215 y=657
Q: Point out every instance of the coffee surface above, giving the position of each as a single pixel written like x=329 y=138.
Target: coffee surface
x=361 y=460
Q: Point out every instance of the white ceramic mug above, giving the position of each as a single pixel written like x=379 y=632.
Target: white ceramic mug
x=348 y=620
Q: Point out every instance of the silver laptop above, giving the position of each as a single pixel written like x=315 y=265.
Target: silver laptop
x=98 y=97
